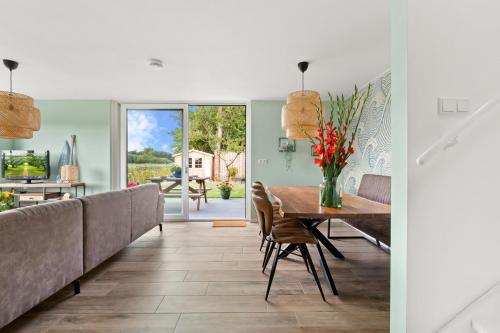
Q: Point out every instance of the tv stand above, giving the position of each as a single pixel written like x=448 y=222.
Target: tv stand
x=41 y=190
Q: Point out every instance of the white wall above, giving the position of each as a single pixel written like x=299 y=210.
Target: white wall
x=453 y=203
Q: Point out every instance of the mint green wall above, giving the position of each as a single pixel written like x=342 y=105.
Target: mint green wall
x=5 y=144
x=399 y=165
x=90 y=121
x=266 y=130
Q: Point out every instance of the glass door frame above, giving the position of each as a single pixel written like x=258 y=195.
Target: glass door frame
x=185 y=149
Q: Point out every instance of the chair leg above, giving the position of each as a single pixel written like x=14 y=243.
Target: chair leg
x=198 y=206
x=76 y=286
x=269 y=254
x=160 y=226
x=262 y=242
x=273 y=270
x=304 y=256
x=316 y=278
x=268 y=245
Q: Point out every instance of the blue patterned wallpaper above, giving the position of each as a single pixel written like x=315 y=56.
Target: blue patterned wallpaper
x=373 y=142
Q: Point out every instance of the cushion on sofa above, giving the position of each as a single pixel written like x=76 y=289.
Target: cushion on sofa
x=40 y=253
x=106 y=226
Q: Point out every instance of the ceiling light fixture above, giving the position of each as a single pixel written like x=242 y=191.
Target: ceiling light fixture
x=299 y=114
x=156 y=64
x=18 y=117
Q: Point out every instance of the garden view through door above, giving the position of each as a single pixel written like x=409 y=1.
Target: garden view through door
x=217 y=161
x=197 y=154
x=156 y=139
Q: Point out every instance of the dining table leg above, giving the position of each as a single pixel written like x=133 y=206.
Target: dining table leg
x=326 y=271
x=323 y=240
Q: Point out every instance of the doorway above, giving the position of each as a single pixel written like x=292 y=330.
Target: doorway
x=217 y=159
x=196 y=153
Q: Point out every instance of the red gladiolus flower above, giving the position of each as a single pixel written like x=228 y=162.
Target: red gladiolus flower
x=320 y=133
x=318 y=161
x=318 y=149
x=351 y=150
x=329 y=124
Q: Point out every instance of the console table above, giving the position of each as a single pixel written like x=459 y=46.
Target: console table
x=42 y=194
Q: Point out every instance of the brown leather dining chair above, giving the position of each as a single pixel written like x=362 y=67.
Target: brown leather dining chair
x=280 y=234
x=277 y=221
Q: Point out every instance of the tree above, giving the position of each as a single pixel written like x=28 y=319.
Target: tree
x=215 y=129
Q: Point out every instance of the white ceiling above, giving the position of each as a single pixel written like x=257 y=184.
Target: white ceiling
x=213 y=49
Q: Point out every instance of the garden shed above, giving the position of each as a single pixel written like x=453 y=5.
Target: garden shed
x=200 y=163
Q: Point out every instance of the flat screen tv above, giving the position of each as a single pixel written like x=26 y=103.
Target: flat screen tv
x=25 y=165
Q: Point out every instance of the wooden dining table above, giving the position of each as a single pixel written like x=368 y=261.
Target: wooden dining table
x=302 y=202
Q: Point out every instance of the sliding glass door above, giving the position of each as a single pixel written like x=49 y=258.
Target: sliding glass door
x=154 y=149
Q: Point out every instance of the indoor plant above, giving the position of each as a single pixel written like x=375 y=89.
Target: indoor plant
x=225 y=189
x=7 y=201
x=334 y=140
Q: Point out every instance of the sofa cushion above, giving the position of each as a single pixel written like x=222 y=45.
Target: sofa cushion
x=40 y=253
x=106 y=226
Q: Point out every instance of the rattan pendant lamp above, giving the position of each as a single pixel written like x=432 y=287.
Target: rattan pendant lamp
x=299 y=113
x=18 y=117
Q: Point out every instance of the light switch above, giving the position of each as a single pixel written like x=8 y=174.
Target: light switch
x=447 y=105
x=463 y=105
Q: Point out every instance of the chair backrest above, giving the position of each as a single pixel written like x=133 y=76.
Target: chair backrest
x=376 y=188
x=264 y=210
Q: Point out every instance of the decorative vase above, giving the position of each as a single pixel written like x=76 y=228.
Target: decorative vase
x=329 y=193
x=225 y=194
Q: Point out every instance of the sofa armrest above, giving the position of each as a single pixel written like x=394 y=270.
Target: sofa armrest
x=145 y=202
x=106 y=226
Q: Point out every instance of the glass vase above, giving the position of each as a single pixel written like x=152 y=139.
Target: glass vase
x=329 y=193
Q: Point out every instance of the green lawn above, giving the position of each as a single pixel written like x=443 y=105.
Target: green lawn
x=237 y=192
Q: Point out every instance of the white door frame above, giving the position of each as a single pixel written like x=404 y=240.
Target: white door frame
x=185 y=170
x=119 y=140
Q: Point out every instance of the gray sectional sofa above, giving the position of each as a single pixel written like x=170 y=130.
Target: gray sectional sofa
x=46 y=247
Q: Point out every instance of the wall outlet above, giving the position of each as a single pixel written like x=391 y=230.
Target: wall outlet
x=262 y=161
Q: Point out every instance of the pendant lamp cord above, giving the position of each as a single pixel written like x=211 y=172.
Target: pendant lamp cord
x=11 y=81
x=302 y=84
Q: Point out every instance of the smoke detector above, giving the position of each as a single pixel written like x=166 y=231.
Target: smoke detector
x=156 y=64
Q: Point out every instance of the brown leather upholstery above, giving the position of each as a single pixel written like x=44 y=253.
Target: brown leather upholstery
x=264 y=211
x=258 y=186
x=297 y=235
x=277 y=218
x=375 y=188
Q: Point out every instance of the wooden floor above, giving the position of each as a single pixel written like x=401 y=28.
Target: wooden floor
x=194 y=278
